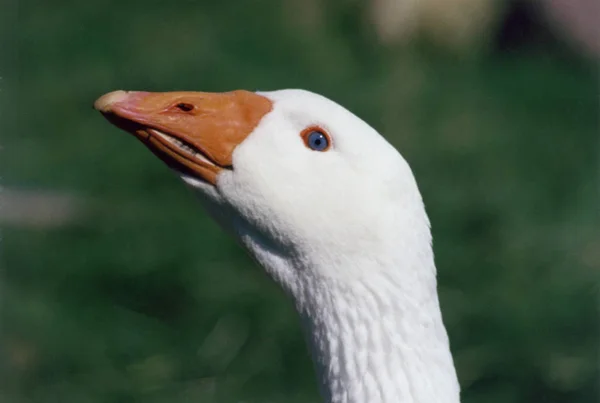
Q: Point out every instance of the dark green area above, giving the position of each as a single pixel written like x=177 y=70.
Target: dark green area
x=144 y=299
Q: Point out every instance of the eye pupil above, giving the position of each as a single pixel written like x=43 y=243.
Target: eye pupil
x=317 y=141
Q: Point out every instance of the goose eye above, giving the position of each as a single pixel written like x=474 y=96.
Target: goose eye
x=316 y=139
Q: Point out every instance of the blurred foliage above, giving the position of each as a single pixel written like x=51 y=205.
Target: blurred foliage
x=145 y=299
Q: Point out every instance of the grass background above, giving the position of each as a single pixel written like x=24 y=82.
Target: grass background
x=142 y=298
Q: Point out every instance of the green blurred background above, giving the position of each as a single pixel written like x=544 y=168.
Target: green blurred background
x=117 y=287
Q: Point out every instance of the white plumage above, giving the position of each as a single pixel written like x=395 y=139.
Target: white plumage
x=344 y=232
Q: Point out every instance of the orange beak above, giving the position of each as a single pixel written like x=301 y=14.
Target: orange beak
x=192 y=132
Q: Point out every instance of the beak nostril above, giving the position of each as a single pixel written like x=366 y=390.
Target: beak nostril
x=185 y=107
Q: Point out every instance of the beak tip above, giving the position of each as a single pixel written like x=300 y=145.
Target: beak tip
x=105 y=102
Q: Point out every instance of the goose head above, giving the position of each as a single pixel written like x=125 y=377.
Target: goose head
x=291 y=174
x=333 y=214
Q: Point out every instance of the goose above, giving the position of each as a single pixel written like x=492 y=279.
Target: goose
x=331 y=211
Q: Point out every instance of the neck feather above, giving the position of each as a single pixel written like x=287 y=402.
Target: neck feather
x=378 y=340
x=370 y=313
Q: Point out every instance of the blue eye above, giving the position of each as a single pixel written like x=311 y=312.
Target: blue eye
x=316 y=140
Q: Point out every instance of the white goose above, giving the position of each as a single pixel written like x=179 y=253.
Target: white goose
x=331 y=211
